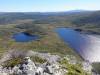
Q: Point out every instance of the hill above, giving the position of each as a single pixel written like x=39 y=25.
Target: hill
x=93 y=18
x=43 y=24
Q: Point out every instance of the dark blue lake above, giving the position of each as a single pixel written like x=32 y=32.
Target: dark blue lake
x=24 y=37
x=73 y=38
x=87 y=46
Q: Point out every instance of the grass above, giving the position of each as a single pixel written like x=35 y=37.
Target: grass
x=73 y=69
x=48 y=43
x=37 y=59
x=18 y=60
x=12 y=62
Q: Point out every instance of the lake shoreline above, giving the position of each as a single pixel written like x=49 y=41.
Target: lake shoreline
x=83 y=44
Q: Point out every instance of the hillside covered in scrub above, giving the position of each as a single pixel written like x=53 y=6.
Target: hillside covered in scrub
x=43 y=25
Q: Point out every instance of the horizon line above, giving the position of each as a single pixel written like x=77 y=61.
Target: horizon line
x=48 y=11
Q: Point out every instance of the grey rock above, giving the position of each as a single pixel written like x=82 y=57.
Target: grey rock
x=28 y=67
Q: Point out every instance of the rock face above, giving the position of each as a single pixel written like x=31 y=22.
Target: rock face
x=21 y=53
x=28 y=67
x=87 y=66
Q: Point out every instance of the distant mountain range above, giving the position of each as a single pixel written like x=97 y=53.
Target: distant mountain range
x=92 y=18
x=77 y=17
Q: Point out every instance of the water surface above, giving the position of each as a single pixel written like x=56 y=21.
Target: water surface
x=87 y=46
x=24 y=37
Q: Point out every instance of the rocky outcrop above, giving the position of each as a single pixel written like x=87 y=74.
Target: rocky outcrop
x=28 y=67
x=54 y=64
x=21 y=53
x=87 y=66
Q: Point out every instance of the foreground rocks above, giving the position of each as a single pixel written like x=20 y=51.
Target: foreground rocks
x=54 y=64
x=28 y=67
x=21 y=53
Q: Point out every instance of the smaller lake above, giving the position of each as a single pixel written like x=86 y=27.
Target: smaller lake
x=24 y=37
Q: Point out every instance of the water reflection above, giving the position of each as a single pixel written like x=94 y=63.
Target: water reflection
x=87 y=46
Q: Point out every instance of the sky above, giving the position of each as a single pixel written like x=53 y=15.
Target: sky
x=47 y=5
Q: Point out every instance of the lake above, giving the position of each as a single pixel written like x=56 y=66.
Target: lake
x=87 y=46
x=24 y=37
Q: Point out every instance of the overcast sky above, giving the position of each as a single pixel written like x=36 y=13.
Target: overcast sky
x=47 y=5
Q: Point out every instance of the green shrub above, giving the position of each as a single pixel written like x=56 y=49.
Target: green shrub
x=12 y=62
x=38 y=59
